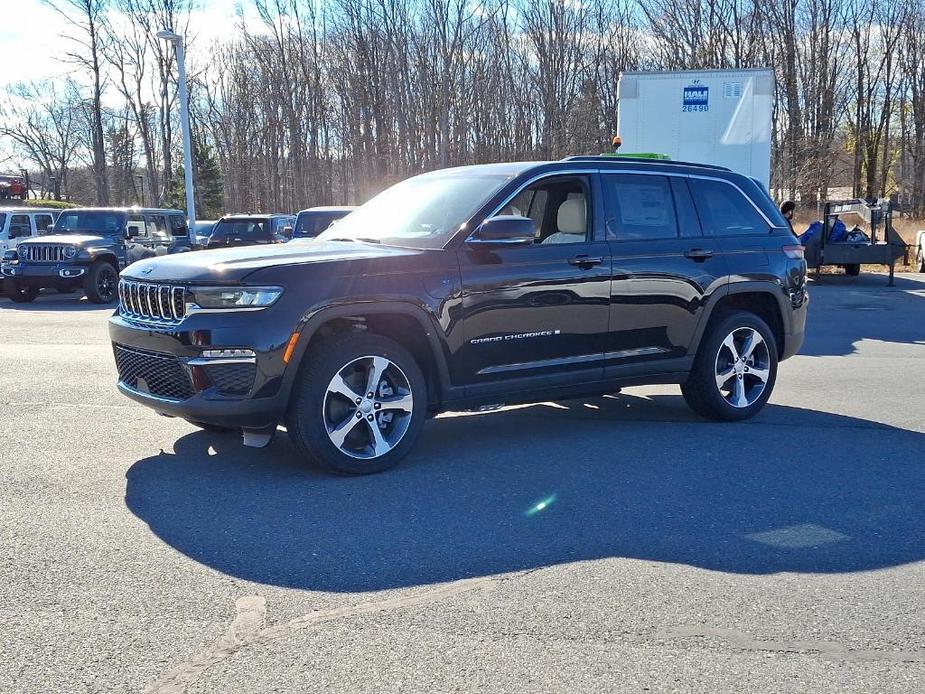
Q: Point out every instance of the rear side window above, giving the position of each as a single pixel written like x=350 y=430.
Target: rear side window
x=639 y=207
x=688 y=221
x=724 y=210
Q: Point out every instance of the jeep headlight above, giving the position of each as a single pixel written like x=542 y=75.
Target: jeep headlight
x=234 y=297
x=23 y=251
x=70 y=251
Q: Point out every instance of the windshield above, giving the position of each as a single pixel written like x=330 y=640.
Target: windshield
x=421 y=212
x=103 y=223
x=313 y=223
x=242 y=228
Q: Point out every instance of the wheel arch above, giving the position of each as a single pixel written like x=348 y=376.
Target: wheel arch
x=106 y=257
x=761 y=298
x=406 y=323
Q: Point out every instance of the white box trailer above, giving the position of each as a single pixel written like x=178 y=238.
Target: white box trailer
x=718 y=117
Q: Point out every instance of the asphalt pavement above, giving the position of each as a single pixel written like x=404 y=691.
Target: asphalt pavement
x=609 y=544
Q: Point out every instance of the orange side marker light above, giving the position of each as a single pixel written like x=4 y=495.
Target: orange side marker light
x=290 y=347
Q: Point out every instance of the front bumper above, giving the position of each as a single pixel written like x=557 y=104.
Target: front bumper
x=163 y=367
x=52 y=273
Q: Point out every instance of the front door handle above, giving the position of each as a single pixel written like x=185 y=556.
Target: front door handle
x=698 y=254
x=585 y=261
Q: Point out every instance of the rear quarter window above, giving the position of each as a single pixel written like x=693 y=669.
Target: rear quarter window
x=725 y=211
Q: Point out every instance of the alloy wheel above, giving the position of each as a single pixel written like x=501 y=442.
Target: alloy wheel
x=106 y=283
x=742 y=367
x=367 y=407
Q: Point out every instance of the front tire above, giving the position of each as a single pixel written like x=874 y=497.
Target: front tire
x=853 y=270
x=19 y=293
x=735 y=369
x=101 y=283
x=358 y=404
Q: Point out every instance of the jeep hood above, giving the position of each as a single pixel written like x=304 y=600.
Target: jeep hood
x=224 y=265
x=72 y=239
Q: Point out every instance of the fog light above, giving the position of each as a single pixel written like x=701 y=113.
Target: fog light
x=227 y=353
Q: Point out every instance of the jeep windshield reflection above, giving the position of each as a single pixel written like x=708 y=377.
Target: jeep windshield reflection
x=99 y=223
x=421 y=212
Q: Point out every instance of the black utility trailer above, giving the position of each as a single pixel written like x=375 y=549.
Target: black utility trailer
x=880 y=249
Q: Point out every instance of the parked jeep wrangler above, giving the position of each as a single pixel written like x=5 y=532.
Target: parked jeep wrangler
x=86 y=249
x=477 y=285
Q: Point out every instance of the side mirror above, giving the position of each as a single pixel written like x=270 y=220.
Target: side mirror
x=131 y=232
x=50 y=229
x=504 y=230
x=287 y=232
x=18 y=231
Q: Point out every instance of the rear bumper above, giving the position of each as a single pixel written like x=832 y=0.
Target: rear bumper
x=796 y=331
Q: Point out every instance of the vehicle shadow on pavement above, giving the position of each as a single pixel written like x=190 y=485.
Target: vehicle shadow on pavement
x=55 y=303
x=616 y=476
x=846 y=310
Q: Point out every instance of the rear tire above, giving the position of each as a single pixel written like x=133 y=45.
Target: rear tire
x=21 y=294
x=853 y=270
x=101 y=283
x=329 y=427
x=724 y=386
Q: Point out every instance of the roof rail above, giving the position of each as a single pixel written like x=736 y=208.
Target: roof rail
x=639 y=160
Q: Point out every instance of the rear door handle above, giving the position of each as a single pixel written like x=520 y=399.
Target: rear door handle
x=699 y=254
x=585 y=261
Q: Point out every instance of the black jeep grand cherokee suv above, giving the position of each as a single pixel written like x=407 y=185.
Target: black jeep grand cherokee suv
x=486 y=284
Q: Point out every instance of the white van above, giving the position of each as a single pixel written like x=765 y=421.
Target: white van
x=22 y=223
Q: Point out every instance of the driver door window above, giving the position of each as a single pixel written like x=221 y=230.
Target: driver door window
x=136 y=225
x=157 y=229
x=42 y=222
x=558 y=207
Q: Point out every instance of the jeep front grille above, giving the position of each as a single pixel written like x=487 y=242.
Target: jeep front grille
x=148 y=301
x=43 y=252
x=156 y=373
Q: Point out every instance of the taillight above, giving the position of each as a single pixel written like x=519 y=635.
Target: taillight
x=793 y=252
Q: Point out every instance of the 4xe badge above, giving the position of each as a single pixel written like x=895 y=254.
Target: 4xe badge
x=147 y=270
x=696 y=98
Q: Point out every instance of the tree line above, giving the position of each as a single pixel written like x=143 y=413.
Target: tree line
x=320 y=103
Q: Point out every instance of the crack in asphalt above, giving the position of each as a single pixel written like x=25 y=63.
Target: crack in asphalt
x=830 y=650
x=249 y=628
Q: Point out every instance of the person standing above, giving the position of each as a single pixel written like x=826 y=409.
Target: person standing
x=787 y=209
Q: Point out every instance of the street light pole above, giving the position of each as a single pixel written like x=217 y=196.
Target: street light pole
x=177 y=41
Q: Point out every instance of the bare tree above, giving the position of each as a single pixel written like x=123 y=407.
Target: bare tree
x=85 y=19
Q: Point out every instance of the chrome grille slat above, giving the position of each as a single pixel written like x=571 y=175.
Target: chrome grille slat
x=163 y=296
x=44 y=252
x=151 y=302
